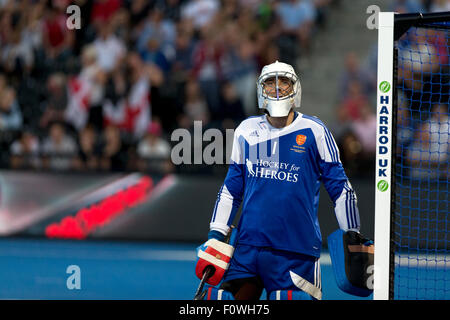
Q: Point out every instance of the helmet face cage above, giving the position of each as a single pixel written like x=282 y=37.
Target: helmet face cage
x=278 y=89
x=269 y=85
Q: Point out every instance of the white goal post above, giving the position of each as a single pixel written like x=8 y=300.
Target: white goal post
x=385 y=88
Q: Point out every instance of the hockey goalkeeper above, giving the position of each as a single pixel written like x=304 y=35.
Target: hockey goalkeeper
x=278 y=162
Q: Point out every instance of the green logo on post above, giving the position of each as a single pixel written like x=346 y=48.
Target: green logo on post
x=385 y=86
x=382 y=185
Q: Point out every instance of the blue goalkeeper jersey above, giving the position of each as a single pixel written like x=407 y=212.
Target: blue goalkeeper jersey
x=275 y=173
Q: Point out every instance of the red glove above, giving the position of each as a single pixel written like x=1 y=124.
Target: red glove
x=216 y=254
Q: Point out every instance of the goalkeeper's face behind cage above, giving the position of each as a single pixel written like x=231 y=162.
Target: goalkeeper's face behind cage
x=278 y=89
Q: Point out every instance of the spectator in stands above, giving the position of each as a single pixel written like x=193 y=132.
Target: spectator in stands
x=439 y=6
x=229 y=10
x=350 y=152
x=116 y=86
x=297 y=20
x=367 y=68
x=207 y=68
x=248 y=26
x=420 y=71
x=418 y=53
x=242 y=72
x=20 y=35
x=89 y=150
x=353 y=72
x=138 y=11
x=183 y=61
x=56 y=102
x=57 y=38
x=407 y=6
x=114 y=153
x=156 y=42
x=171 y=9
x=200 y=12
x=431 y=147
x=132 y=113
x=322 y=9
x=3 y=82
x=349 y=109
x=232 y=110
x=58 y=148
x=10 y=114
x=267 y=53
x=110 y=49
x=154 y=151
x=33 y=28
x=16 y=54
x=419 y=157
x=195 y=107
x=266 y=14
x=153 y=53
x=357 y=138
x=251 y=4
x=104 y=10
x=25 y=152
x=86 y=90
x=365 y=130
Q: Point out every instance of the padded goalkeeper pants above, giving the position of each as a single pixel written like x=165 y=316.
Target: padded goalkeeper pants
x=277 y=270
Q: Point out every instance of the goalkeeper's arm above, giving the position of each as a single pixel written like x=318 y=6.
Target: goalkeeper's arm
x=337 y=184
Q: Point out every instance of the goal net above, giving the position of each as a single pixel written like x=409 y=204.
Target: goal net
x=412 y=258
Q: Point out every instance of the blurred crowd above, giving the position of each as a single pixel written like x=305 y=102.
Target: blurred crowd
x=423 y=137
x=107 y=96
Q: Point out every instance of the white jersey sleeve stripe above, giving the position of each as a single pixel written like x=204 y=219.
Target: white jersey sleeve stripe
x=327 y=140
x=217 y=202
x=346 y=209
x=338 y=158
x=330 y=148
x=353 y=209
x=351 y=212
x=335 y=153
x=222 y=213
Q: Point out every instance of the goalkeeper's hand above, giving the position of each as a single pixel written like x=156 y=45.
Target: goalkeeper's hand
x=351 y=256
x=357 y=239
x=216 y=254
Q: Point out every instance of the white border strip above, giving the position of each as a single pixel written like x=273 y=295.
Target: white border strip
x=383 y=157
x=431 y=261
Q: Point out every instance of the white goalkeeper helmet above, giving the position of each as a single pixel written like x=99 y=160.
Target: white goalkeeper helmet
x=278 y=89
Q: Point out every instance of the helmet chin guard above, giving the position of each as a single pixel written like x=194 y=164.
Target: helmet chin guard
x=276 y=105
